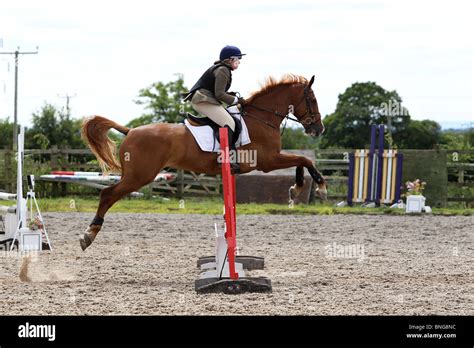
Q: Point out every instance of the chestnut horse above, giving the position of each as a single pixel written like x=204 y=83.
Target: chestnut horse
x=148 y=149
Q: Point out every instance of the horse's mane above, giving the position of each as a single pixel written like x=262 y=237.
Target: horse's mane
x=271 y=83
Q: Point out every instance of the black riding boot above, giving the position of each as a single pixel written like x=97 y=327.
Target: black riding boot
x=234 y=166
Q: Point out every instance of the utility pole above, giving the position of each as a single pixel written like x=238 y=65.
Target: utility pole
x=68 y=98
x=17 y=53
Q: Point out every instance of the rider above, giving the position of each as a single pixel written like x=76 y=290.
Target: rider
x=211 y=90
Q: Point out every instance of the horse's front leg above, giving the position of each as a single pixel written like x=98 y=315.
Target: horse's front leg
x=296 y=189
x=284 y=160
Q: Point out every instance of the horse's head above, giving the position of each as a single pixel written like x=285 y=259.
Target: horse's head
x=294 y=94
x=306 y=110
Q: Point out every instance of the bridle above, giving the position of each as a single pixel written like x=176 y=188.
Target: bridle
x=306 y=121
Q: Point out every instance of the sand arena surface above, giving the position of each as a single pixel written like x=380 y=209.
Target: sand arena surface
x=319 y=265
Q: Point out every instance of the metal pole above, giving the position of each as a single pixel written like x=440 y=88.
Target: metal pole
x=68 y=112
x=68 y=98
x=15 y=105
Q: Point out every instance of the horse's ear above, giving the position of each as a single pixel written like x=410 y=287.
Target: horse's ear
x=311 y=82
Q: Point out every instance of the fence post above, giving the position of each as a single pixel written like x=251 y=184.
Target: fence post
x=180 y=183
x=55 y=192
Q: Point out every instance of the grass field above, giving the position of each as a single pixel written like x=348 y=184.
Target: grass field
x=215 y=206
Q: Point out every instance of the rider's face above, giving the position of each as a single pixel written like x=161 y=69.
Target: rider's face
x=235 y=63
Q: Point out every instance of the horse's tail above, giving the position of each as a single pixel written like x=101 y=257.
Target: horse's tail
x=94 y=132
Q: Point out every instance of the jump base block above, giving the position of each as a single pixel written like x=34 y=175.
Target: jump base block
x=233 y=287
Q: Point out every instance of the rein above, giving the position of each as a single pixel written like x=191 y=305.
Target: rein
x=245 y=113
x=309 y=110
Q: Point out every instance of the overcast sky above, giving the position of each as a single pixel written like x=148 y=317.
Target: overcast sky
x=103 y=52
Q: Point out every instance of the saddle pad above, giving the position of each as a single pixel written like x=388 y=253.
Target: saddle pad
x=205 y=136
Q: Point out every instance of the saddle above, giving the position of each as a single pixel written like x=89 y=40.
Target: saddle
x=205 y=121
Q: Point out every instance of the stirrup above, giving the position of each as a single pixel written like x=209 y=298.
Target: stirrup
x=235 y=168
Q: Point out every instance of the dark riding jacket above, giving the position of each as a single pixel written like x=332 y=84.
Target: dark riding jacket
x=213 y=85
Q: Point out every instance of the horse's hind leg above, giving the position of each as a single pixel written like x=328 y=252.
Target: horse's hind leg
x=108 y=196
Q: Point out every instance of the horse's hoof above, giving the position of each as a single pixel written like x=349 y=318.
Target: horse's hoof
x=89 y=235
x=85 y=241
x=322 y=194
x=294 y=191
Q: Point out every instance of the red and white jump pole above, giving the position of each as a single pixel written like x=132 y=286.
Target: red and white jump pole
x=225 y=272
x=228 y=186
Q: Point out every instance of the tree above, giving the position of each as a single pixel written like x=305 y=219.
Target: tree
x=420 y=135
x=360 y=106
x=52 y=126
x=6 y=133
x=163 y=100
x=459 y=140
